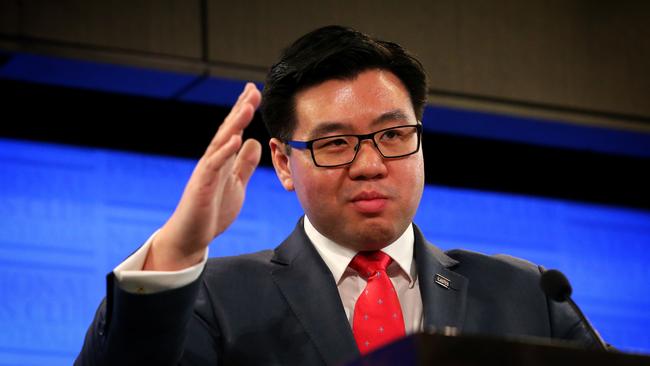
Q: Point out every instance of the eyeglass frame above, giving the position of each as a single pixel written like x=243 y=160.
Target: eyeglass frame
x=309 y=145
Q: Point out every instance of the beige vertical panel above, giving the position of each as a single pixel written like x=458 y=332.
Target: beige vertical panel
x=590 y=55
x=587 y=55
x=584 y=55
x=254 y=32
x=9 y=15
x=167 y=27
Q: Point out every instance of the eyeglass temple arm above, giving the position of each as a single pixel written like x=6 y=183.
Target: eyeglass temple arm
x=298 y=144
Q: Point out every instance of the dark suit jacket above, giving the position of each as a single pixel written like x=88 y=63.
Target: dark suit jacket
x=282 y=307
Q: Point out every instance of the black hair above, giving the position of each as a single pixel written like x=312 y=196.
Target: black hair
x=333 y=52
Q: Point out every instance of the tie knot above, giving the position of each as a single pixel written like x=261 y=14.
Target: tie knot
x=369 y=263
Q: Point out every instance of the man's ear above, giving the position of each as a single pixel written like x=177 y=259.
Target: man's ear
x=281 y=163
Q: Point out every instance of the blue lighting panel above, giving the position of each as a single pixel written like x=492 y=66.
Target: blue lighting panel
x=535 y=131
x=69 y=215
x=219 y=91
x=94 y=75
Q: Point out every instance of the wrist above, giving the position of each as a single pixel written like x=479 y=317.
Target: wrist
x=163 y=256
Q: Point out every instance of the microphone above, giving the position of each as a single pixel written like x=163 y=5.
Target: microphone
x=556 y=286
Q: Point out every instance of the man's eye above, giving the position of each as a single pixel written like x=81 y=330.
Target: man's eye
x=390 y=135
x=335 y=143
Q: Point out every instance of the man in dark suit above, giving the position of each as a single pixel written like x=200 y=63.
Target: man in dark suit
x=344 y=112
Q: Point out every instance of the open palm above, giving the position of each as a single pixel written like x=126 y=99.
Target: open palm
x=214 y=193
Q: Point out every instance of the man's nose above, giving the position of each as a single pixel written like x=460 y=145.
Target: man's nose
x=369 y=162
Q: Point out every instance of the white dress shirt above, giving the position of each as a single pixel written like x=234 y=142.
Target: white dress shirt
x=402 y=272
x=132 y=278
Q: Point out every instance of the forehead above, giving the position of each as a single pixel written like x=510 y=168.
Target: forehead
x=353 y=105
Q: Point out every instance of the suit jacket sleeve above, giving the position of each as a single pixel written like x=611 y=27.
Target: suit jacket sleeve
x=135 y=329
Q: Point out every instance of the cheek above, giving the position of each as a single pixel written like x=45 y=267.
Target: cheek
x=412 y=179
x=419 y=166
x=316 y=188
x=323 y=184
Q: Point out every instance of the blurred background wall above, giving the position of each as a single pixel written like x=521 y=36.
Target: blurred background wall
x=537 y=140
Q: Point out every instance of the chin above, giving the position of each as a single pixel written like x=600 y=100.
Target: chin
x=375 y=235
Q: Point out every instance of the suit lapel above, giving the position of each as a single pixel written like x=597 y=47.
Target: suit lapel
x=444 y=304
x=310 y=290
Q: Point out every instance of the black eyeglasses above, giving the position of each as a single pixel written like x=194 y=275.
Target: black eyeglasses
x=333 y=151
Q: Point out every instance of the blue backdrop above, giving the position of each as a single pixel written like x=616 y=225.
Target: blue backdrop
x=69 y=215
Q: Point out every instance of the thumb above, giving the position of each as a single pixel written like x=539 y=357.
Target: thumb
x=247 y=159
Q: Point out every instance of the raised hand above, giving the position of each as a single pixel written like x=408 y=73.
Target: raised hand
x=214 y=193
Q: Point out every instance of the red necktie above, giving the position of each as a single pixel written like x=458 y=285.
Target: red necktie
x=377 y=314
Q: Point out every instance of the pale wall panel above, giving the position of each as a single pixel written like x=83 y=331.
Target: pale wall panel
x=588 y=55
x=9 y=10
x=166 y=27
x=585 y=55
x=591 y=56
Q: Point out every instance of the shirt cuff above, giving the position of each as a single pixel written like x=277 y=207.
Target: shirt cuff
x=131 y=278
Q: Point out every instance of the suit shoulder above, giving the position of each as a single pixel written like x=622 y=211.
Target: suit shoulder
x=245 y=263
x=499 y=264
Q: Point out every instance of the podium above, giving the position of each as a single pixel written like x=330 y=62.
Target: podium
x=439 y=350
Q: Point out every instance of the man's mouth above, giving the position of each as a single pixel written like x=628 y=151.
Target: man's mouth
x=369 y=202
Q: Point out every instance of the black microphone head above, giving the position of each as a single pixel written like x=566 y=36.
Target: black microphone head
x=555 y=285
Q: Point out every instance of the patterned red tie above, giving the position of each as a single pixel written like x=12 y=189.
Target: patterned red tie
x=377 y=314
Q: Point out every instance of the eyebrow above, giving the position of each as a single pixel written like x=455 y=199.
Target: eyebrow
x=326 y=128
x=394 y=115
x=329 y=127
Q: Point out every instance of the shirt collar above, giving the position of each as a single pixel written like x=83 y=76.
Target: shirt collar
x=337 y=257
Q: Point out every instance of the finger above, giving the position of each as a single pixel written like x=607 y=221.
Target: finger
x=247 y=159
x=240 y=99
x=211 y=164
x=236 y=107
x=251 y=98
x=239 y=117
x=244 y=91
